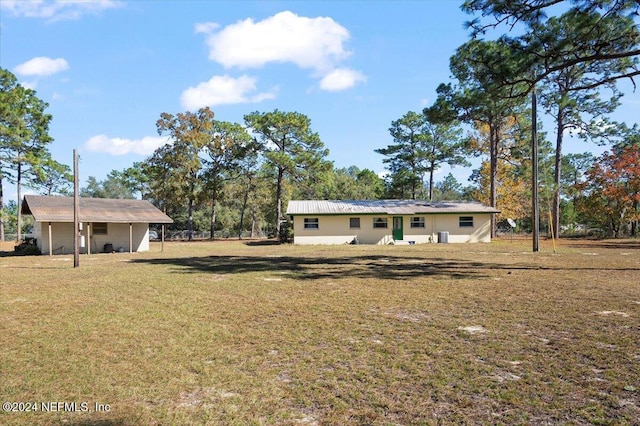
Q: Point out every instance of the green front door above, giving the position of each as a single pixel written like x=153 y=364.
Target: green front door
x=397 y=228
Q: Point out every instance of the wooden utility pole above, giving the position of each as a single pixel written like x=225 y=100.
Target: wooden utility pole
x=76 y=212
x=535 y=218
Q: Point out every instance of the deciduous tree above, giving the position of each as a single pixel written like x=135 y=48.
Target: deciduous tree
x=575 y=167
x=178 y=163
x=223 y=156
x=613 y=189
x=512 y=190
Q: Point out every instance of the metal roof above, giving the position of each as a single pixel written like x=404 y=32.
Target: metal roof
x=390 y=207
x=60 y=209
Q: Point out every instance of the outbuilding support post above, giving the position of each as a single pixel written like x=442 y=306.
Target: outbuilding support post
x=50 y=241
x=130 y=237
x=162 y=244
x=76 y=212
x=88 y=237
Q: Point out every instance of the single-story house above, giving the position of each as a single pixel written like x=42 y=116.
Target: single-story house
x=389 y=221
x=107 y=224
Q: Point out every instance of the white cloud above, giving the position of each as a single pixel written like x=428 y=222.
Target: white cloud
x=42 y=66
x=311 y=43
x=57 y=10
x=222 y=89
x=206 y=27
x=29 y=84
x=341 y=79
x=118 y=146
x=317 y=44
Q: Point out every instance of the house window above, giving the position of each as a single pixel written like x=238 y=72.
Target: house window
x=417 y=222
x=99 y=228
x=380 y=222
x=354 y=222
x=311 y=223
x=466 y=221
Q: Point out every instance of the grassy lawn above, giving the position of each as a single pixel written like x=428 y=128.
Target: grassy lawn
x=235 y=334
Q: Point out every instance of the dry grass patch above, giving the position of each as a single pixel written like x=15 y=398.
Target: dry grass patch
x=223 y=333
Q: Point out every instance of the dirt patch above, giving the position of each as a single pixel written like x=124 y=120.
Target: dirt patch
x=408 y=316
x=214 y=277
x=622 y=314
x=473 y=329
x=202 y=397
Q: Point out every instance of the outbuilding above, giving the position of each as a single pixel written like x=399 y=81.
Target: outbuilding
x=389 y=221
x=107 y=224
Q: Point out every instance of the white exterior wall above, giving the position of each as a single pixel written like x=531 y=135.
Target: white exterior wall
x=336 y=230
x=479 y=233
x=331 y=230
x=61 y=237
x=38 y=234
x=117 y=234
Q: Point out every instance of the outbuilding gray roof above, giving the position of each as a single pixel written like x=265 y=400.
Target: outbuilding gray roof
x=390 y=207
x=60 y=209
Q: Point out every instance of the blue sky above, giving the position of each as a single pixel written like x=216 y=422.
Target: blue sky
x=109 y=68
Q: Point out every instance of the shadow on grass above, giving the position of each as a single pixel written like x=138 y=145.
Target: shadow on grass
x=313 y=268
x=371 y=266
x=255 y=243
x=605 y=244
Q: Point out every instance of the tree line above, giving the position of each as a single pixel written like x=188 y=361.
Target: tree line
x=217 y=175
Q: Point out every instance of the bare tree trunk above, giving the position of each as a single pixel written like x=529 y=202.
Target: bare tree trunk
x=19 y=179
x=212 y=227
x=493 y=162
x=431 y=183
x=192 y=187
x=244 y=207
x=555 y=210
x=413 y=189
x=634 y=223
x=190 y=230
x=279 y=200
x=253 y=223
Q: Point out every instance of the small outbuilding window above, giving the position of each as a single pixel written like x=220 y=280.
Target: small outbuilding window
x=311 y=223
x=354 y=222
x=380 y=222
x=99 y=228
x=417 y=222
x=466 y=221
